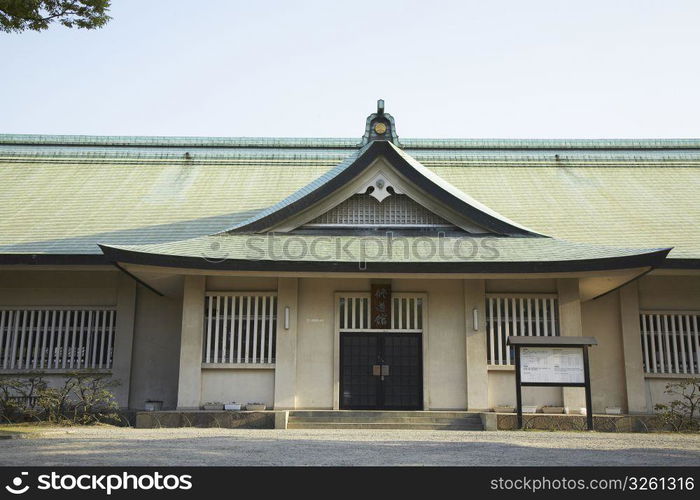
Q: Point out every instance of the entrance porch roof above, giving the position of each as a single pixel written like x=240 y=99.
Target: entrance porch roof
x=386 y=253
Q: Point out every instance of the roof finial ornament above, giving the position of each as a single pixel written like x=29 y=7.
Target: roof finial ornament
x=380 y=127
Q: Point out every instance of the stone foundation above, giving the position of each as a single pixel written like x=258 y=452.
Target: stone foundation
x=601 y=423
x=221 y=419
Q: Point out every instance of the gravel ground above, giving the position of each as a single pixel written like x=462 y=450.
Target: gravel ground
x=190 y=446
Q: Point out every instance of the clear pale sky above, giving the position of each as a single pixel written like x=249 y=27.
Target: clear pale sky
x=471 y=69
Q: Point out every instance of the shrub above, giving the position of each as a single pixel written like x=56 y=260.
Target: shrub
x=17 y=397
x=82 y=398
x=683 y=412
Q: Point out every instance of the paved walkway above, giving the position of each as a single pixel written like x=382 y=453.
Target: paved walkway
x=123 y=446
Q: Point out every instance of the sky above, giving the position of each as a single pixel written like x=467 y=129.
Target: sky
x=466 y=69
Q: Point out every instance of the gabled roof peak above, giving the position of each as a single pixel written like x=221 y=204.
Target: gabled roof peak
x=380 y=126
x=412 y=177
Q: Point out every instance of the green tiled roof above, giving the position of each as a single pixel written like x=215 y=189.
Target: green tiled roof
x=336 y=253
x=306 y=189
x=339 y=248
x=63 y=195
x=424 y=178
x=163 y=141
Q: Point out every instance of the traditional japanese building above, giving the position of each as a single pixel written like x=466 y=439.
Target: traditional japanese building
x=367 y=273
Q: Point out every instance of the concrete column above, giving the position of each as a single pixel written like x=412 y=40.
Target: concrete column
x=477 y=368
x=286 y=348
x=124 y=338
x=571 y=326
x=189 y=389
x=632 y=349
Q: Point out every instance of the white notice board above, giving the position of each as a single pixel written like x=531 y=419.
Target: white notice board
x=551 y=364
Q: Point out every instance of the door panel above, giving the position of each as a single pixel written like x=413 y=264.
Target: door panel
x=359 y=389
x=403 y=388
x=381 y=371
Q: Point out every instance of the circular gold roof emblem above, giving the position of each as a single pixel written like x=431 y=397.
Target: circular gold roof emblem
x=380 y=128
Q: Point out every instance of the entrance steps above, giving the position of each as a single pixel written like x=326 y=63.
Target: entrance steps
x=384 y=419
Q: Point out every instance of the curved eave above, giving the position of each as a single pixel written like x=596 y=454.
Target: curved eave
x=491 y=221
x=651 y=259
x=45 y=259
x=53 y=259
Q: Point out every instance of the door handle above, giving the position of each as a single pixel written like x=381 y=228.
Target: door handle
x=380 y=371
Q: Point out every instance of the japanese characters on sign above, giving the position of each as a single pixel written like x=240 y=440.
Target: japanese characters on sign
x=381 y=306
x=551 y=365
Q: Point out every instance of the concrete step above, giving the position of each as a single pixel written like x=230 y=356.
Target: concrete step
x=380 y=413
x=382 y=425
x=382 y=419
x=388 y=420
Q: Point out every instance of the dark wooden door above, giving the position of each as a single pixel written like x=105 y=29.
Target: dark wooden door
x=381 y=371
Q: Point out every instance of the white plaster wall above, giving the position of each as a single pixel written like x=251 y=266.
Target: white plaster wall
x=238 y=385
x=666 y=293
x=669 y=292
x=65 y=288
x=601 y=319
x=46 y=288
x=446 y=363
x=655 y=388
x=52 y=379
x=521 y=286
x=315 y=337
x=242 y=283
x=502 y=391
x=156 y=349
x=446 y=337
x=158 y=322
x=502 y=382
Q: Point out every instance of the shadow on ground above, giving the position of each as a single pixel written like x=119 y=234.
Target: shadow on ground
x=288 y=451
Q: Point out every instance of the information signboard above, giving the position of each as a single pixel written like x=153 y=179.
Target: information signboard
x=551 y=365
x=552 y=361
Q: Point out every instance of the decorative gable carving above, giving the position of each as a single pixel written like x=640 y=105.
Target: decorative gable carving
x=364 y=210
x=380 y=187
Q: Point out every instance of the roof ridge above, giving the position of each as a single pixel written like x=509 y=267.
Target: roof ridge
x=343 y=143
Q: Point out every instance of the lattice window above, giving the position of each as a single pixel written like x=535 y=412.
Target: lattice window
x=354 y=312
x=397 y=210
x=56 y=338
x=240 y=328
x=670 y=341
x=521 y=315
x=406 y=312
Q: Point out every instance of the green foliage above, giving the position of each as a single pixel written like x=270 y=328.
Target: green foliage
x=37 y=15
x=683 y=412
x=16 y=396
x=82 y=398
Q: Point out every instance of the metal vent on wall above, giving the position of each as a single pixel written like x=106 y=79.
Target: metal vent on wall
x=397 y=210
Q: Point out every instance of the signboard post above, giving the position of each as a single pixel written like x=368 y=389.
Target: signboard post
x=552 y=362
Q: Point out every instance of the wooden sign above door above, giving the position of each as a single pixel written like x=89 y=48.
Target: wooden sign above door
x=381 y=307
